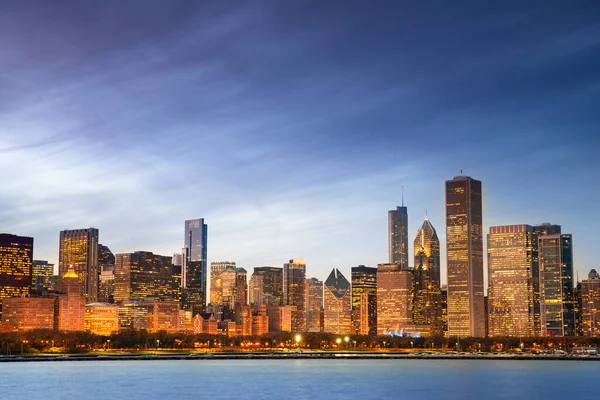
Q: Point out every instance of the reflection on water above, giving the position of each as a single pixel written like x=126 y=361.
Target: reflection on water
x=300 y=379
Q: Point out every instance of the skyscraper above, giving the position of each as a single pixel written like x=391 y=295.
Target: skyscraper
x=216 y=286
x=556 y=285
x=41 y=275
x=314 y=304
x=294 y=292
x=590 y=304
x=70 y=315
x=364 y=281
x=195 y=266
x=394 y=297
x=79 y=248
x=398 y=235
x=106 y=258
x=427 y=294
x=510 y=275
x=16 y=258
x=272 y=283
x=464 y=244
x=142 y=275
x=337 y=297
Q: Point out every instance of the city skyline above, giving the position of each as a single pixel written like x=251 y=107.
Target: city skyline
x=132 y=125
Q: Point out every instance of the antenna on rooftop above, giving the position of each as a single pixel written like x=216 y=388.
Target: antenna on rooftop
x=402 y=195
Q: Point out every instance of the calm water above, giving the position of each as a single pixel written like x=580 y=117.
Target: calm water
x=301 y=379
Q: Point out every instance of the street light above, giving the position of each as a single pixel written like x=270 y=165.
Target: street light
x=298 y=338
x=338 y=341
x=347 y=340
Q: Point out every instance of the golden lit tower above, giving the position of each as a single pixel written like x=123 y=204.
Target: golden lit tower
x=294 y=292
x=216 y=286
x=427 y=294
x=590 y=304
x=142 y=274
x=272 y=283
x=394 y=297
x=337 y=296
x=464 y=244
x=79 y=248
x=70 y=315
x=16 y=258
x=314 y=304
x=510 y=275
x=364 y=297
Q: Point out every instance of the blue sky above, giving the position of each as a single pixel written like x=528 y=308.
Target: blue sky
x=291 y=126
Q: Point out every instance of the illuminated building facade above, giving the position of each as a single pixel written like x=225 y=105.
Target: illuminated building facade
x=464 y=244
x=510 y=276
x=314 y=305
x=539 y=230
x=142 y=275
x=256 y=290
x=294 y=292
x=106 y=258
x=70 y=313
x=28 y=313
x=216 y=285
x=41 y=275
x=106 y=286
x=16 y=259
x=280 y=318
x=133 y=315
x=79 y=248
x=590 y=305
x=195 y=266
x=427 y=294
x=163 y=316
x=398 y=236
x=364 y=280
x=337 y=296
x=394 y=297
x=272 y=278
x=102 y=318
x=234 y=288
x=556 y=285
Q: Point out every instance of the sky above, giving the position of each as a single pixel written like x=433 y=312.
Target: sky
x=291 y=126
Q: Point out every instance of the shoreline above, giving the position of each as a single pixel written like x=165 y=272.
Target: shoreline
x=293 y=356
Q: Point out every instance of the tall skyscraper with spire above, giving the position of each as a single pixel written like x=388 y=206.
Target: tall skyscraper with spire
x=195 y=266
x=427 y=294
x=398 y=235
x=464 y=244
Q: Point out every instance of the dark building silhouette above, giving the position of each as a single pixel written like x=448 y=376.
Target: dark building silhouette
x=195 y=266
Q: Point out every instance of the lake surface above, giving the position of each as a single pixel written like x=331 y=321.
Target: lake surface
x=300 y=379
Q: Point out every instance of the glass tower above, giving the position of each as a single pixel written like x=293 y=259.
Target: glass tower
x=427 y=295
x=314 y=304
x=364 y=280
x=337 y=297
x=398 y=236
x=78 y=248
x=294 y=292
x=556 y=285
x=510 y=275
x=16 y=258
x=195 y=266
x=464 y=244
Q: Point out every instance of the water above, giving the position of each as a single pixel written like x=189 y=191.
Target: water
x=300 y=379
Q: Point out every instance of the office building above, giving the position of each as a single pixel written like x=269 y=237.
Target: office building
x=256 y=290
x=464 y=245
x=337 y=298
x=510 y=276
x=272 y=278
x=102 y=318
x=70 y=312
x=427 y=294
x=314 y=305
x=41 y=276
x=556 y=285
x=234 y=288
x=590 y=305
x=216 y=285
x=79 y=248
x=294 y=292
x=141 y=275
x=106 y=258
x=28 y=313
x=398 y=236
x=195 y=266
x=394 y=297
x=16 y=260
x=364 y=280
